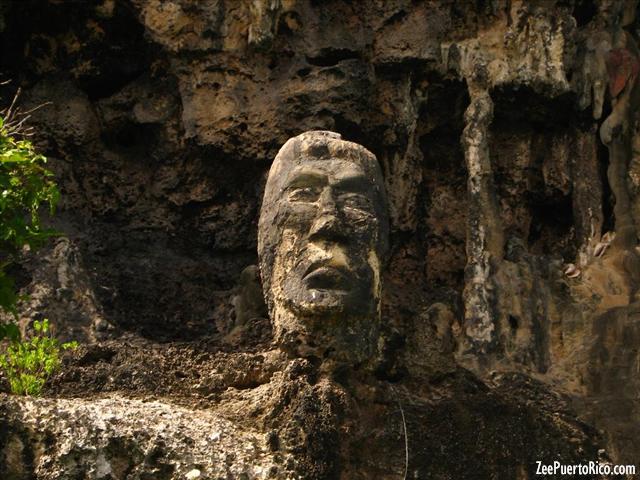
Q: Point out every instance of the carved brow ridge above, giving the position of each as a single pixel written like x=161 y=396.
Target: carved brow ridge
x=354 y=183
x=308 y=178
x=316 y=178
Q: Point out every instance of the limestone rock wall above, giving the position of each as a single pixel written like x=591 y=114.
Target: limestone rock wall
x=513 y=209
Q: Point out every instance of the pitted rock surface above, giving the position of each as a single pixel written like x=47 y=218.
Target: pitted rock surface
x=116 y=437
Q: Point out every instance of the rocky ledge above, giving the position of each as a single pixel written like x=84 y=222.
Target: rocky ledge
x=116 y=437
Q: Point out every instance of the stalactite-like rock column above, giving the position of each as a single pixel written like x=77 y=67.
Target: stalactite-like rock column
x=484 y=233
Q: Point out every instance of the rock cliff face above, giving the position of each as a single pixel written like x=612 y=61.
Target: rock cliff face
x=507 y=134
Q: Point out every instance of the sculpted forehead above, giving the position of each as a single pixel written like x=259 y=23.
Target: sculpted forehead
x=317 y=154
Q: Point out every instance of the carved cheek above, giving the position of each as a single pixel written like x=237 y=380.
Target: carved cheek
x=297 y=215
x=365 y=227
x=284 y=261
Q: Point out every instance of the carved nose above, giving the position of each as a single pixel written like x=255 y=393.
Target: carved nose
x=327 y=226
x=327 y=203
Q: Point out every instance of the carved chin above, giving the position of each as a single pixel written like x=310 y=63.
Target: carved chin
x=327 y=326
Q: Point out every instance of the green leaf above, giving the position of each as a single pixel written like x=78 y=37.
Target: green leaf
x=28 y=363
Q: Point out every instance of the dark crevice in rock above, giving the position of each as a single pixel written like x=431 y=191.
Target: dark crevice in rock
x=526 y=105
x=551 y=226
x=513 y=323
x=113 y=54
x=352 y=131
x=20 y=275
x=584 y=11
x=332 y=56
x=608 y=199
x=445 y=177
x=396 y=17
x=132 y=138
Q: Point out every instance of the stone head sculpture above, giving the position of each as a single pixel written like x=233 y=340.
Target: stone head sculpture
x=322 y=238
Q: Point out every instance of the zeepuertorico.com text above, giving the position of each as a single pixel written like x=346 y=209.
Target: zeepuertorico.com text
x=590 y=468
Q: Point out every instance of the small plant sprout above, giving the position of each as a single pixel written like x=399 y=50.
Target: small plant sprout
x=28 y=363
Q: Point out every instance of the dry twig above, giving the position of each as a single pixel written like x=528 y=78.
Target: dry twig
x=15 y=119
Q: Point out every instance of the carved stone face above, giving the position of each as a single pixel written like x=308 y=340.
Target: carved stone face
x=322 y=238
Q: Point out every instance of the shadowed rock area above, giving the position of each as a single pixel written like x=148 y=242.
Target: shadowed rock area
x=506 y=134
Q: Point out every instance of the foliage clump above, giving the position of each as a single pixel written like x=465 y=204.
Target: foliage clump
x=25 y=186
x=29 y=363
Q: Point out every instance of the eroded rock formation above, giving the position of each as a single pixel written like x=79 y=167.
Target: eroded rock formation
x=506 y=132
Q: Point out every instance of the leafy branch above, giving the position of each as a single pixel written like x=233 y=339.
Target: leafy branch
x=25 y=186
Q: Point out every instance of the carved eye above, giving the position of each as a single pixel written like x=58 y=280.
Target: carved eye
x=356 y=202
x=304 y=194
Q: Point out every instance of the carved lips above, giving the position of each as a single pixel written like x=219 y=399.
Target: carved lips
x=322 y=275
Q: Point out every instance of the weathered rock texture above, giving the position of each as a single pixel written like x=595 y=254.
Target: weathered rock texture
x=119 y=438
x=507 y=135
